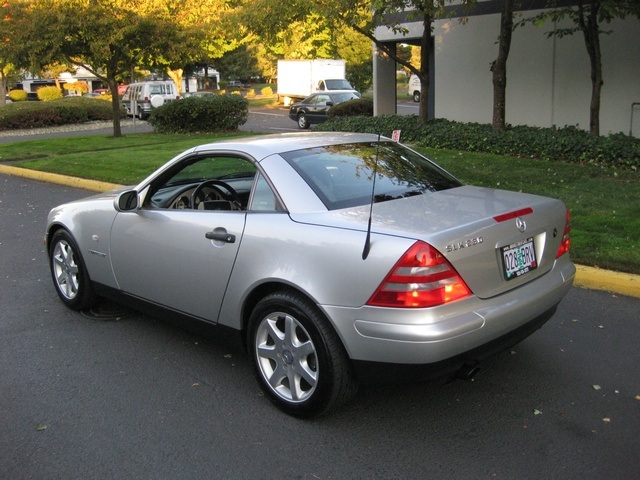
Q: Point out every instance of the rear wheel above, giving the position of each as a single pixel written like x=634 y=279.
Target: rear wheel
x=297 y=357
x=69 y=272
x=416 y=96
x=303 y=121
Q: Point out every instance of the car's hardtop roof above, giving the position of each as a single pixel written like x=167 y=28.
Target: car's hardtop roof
x=262 y=146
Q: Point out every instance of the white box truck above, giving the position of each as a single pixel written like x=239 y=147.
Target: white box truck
x=297 y=79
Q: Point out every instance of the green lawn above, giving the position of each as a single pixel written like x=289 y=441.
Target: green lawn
x=604 y=203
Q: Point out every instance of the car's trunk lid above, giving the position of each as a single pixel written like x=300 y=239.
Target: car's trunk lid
x=474 y=228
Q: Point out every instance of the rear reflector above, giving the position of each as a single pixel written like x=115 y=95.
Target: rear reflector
x=565 y=243
x=421 y=278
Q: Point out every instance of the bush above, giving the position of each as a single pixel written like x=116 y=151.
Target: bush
x=49 y=93
x=568 y=144
x=18 y=95
x=64 y=111
x=211 y=113
x=266 y=91
x=355 y=107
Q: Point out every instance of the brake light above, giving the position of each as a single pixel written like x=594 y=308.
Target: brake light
x=421 y=278
x=565 y=243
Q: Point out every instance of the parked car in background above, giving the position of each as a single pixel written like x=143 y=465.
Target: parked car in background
x=197 y=94
x=139 y=99
x=314 y=108
x=334 y=258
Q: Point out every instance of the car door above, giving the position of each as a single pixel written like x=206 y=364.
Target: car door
x=318 y=110
x=175 y=256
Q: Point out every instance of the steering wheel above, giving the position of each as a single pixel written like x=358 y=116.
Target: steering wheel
x=215 y=186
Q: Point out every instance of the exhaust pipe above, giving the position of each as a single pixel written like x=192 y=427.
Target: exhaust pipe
x=468 y=371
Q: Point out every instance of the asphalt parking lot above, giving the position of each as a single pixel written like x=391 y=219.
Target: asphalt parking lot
x=114 y=394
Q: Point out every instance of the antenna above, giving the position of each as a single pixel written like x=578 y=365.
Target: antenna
x=367 y=242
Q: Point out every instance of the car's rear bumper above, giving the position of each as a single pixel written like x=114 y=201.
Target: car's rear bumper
x=429 y=336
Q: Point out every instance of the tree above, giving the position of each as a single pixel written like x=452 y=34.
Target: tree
x=499 y=66
x=587 y=16
x=107 y=37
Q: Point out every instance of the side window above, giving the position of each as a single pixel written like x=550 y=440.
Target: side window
x=205 y=182
x=264 y=200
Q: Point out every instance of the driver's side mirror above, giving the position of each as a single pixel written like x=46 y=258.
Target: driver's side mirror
x=127 y=201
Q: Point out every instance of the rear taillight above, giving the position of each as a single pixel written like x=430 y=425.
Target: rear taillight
x=421 y=278
x=565 y=243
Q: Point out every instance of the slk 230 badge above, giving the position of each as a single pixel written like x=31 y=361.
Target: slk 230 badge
x=452 y=247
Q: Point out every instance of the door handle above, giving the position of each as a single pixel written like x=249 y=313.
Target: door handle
x=221 y=236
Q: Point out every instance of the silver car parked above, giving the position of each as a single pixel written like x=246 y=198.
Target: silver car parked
x=334 y=258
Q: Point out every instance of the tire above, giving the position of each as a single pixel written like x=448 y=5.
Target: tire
x=69 y=273
x=416 y=96
x=297 y=357
x=303 y=122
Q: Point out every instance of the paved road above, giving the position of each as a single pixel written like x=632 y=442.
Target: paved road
x=118 y=395
x=273 y=119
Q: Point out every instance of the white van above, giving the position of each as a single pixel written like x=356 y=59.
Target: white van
x=140 y=98
x=414 y=88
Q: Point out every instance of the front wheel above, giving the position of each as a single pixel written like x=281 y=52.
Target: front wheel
x=69 y=273
x=297 y=357
x=303 y=121
x=416 y=97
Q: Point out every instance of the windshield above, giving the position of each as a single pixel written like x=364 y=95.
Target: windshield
x=342 y=175
x=338 y=84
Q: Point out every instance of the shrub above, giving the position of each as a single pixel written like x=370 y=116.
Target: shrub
x=49 y=93
x=355 y=107
x=18 y=95
x=266 y=91
x=568 y=144
x=211 y=113
x=64 y=111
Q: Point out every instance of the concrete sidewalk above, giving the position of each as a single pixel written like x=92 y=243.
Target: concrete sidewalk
x=586 y=277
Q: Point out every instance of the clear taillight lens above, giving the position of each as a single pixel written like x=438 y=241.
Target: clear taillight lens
x=421 y=278
x=565 y=243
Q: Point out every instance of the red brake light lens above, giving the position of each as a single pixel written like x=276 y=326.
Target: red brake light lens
x=421 y=278
x=565 y=243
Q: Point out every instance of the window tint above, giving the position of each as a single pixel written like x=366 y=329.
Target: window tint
x=342 y=175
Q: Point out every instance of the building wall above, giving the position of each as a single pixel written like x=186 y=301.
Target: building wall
x=548 y=79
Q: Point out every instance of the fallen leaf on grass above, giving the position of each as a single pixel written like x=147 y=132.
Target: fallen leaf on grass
x=597 y=387
x=40 y=427
x=606 y=420
x=537 y=412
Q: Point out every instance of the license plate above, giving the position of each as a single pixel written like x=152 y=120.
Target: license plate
x=519 y=258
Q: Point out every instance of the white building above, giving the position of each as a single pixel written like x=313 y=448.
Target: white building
x=548 y=79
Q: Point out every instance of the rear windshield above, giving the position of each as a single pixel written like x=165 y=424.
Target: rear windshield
x=342 y=175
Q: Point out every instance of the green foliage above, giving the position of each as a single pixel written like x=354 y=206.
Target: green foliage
x=266 y=91
x=568 y=144
x=49 y=93
x=211 y=113
x=18 y=95
x=24 y=115
x=359 y=106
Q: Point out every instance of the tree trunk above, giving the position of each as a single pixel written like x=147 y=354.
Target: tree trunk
x=425 y=71
x=115 y=105
x=499 y=67
x=590 y=29
x=176 y=76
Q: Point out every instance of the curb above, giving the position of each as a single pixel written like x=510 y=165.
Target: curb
x=586 y=277
x=76 y=182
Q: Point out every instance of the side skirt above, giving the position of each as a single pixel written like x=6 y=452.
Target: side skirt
x=218 y=333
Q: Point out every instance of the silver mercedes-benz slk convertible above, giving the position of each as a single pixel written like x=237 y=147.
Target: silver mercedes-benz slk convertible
x=335 y=258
